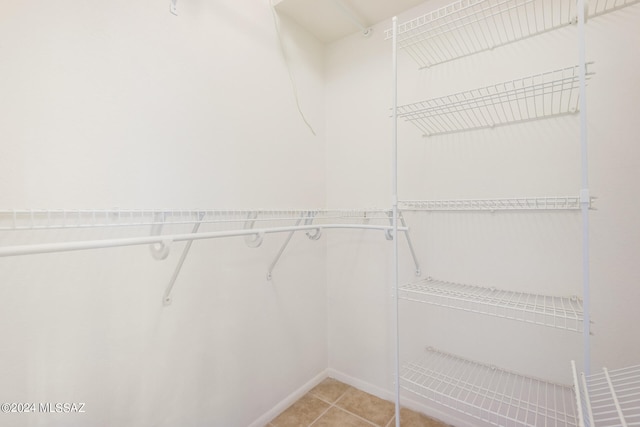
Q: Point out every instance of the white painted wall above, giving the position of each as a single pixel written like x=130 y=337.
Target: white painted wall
x=533 y=252
x=121 y=104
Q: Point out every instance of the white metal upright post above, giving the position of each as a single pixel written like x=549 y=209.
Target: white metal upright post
x=394 y=201
x=584 y=191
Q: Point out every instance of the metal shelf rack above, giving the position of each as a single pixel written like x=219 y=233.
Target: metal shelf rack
x=463 y=28
x=553 y=203
x=553 y=311
x=609 y=398
x=43 y=219
x=488 y=393
x=549 y=94
x=252 y=225
x=466 y=27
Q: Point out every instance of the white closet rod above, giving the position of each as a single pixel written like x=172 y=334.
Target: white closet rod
x=166 y=240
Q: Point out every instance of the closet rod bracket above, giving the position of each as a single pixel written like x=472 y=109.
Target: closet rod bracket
x=159 y=250
x=312 y=234
x=253 y=240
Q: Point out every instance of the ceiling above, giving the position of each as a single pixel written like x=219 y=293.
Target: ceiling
x=331 y=20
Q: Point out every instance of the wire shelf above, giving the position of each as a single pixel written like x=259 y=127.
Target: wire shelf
x=610 y=398
x=513 y=204
x=466 y=27
x=485 y=392
x=556 y=312
x=41 y=219
x=534 y=97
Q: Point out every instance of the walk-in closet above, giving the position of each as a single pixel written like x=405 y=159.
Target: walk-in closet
x=251 y=213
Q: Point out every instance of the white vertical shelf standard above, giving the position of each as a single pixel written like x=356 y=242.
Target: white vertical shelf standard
x=584 y=189
x=394 y=203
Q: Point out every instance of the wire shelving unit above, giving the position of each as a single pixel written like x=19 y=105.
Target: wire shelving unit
x=488 y=393
x=609 y=398
x=160 y=228
x=43 y=219
x=553 y=93
x=553 y=203
x=553 y=311
x=250 y=224
x=466 y=27
x=485 y=392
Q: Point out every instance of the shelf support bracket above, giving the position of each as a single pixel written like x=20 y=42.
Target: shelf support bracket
x=166 y=299
x=389 y=233
x=159 y=251
x=315 y=234
x=281 y=251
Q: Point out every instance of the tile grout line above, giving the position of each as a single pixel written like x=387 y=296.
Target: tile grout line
x=390 y=423
x=323 y=412
x=331 y=405
x=358 y=416
x=334 y=405
x=393 y=417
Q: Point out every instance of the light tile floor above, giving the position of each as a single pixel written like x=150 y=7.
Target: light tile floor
x=335 y=404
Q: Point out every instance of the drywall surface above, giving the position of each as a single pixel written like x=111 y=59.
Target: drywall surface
x=532 y=252
x=127 y=105
x=122 y=104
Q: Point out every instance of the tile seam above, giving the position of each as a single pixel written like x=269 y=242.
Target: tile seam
x=335 y=405
x=358 y=416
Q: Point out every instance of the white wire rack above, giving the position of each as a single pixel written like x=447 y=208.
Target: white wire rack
x=466 y=27
x=557 y=312
x=600 y=7
x=251 y=224
x=41 y=219
x=533 y=97
x=609 y=398
x=512 y=204
x=485 y=392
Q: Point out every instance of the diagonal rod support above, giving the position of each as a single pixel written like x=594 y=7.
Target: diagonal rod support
x=413 y=253
x=166 y=299
x=282 y=248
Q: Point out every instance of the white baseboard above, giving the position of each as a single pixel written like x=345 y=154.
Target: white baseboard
x=264 y=419
x=361 y=385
